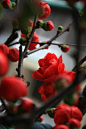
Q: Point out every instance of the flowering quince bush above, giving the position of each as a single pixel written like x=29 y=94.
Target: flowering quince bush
x=17 y=110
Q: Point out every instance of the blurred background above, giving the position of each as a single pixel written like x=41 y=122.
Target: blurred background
x=60 y=15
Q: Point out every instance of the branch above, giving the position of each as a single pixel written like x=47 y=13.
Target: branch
x=5 y=105
x=30 y=38
x=12 y=37
x=17 y=3
x=79 y=64
x=41 y=43
x=49 y=42
x=20 y=64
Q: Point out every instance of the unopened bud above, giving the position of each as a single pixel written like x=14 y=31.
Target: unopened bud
x=50 y=112
x=39 y=24
x=23 y=41
x=65 y=48
x=60 y=28
x=15 y=24
x=27 y=30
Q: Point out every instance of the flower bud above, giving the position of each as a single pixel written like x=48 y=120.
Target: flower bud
x=4 y=48
x=13 y=4
x=65 y=48
x=60 y=28
x=23 y=41
x=50 y=112
x=13 y=54
x=12 y=88
x=27 y=30
x=6 y=3
x=40 y=119
x=72 y=99
x=39 y=24
x=45 y=10
x=15 y=24
x=48 y=26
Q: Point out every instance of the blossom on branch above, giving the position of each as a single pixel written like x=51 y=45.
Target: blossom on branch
x=6 y=3
x=13 y=54
x=12 y=88
x=50 y=67
x=45 y=10
x=4 y=48
x=47 y=90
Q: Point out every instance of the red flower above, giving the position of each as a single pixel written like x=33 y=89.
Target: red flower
x=65 y=48
x=13 y=54
x=76 y=113
x=5 y=3
x=27 y=105
x=47 y=90
x=35 y=38
x=3 y=64
x=63 y=106
x=61 y=116
x=50 y=67
x=61 y=127
x=50 y=25
x=74 y=123
x=12 y=88
x=45 y=10
x=4 y=48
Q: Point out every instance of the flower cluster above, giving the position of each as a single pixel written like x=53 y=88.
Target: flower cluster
x=66 y=116
x=52 y=71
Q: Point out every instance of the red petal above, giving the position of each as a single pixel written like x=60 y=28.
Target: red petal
x=61 y=68
x=37 y=75
x=41 y=90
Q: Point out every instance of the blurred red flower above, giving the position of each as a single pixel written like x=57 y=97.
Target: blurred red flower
x=12 y=88
x=13 y=54
x=3 y=64
x=45 y=10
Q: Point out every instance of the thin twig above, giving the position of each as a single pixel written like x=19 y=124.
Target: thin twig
x=49 y=42
x=30 y=38
x=5 y=105
x=12 y=37
x=20 y=64
x=79 y=63
x=42 y=43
